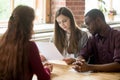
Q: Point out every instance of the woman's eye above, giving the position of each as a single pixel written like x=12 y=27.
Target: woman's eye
x=64 y=21
x=59 y=22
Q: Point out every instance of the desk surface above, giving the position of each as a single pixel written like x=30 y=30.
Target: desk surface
x=65 y=72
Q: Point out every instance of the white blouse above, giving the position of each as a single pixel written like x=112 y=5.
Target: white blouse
x=65 y=53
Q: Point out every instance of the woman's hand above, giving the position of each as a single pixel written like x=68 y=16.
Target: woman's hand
x=43 y=58
x=49 y=66
x=69 y=60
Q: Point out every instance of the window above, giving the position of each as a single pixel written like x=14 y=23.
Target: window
x=41 y=7
x=4 y=10
x=43 y=11
x=108 y=4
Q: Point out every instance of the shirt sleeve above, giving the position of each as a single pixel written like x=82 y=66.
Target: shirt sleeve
x=117 y=48
x=83 y=40
x=36 y=64
x=88 y=49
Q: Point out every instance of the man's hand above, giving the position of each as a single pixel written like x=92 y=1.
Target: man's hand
x=80 y=65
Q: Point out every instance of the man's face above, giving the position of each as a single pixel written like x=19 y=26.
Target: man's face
x=91 y=25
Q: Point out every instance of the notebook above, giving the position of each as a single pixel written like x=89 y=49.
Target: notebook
x=49 y=50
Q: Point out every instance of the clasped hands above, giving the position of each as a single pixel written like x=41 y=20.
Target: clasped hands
x=80 y=65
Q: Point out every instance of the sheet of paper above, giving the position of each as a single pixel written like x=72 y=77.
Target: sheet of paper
x=49 y=50
x=61 y=62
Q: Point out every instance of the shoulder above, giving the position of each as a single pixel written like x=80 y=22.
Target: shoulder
x=84 y=38
x=32 y=45
x=33 y=50
x=83 y=33
x=115 y=33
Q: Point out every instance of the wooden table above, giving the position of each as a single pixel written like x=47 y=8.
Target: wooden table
x=61 y=71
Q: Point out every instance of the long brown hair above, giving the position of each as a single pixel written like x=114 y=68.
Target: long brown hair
x=14 y=42
x=60 y=34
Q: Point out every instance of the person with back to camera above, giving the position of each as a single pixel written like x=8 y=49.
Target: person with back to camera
x=103 y=48
x=19 y=56
x=68 y=38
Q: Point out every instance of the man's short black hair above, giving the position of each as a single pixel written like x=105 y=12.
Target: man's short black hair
x=94 y=13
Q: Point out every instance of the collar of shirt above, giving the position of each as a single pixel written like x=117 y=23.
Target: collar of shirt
x=105 y=35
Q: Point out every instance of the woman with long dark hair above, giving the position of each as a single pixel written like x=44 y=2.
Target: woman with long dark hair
x=19 y=57
x=68 y=38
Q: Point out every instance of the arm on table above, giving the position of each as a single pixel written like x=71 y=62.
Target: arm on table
x=82 y=66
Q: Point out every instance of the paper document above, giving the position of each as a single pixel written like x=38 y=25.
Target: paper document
x=49 y=50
